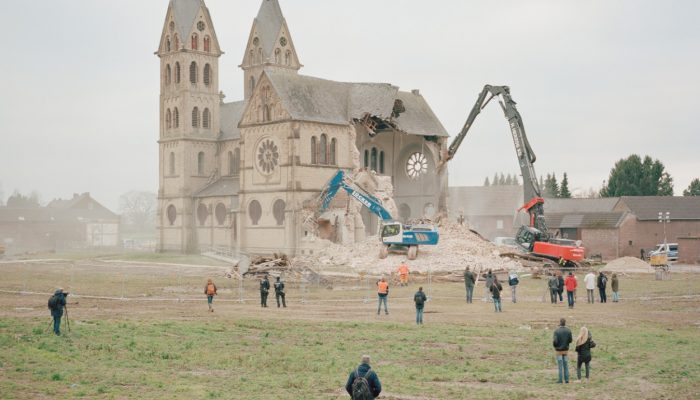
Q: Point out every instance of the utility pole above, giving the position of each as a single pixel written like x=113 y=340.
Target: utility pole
x=664 y=219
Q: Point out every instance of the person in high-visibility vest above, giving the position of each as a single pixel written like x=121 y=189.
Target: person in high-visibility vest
x=403 y=274
x=382 y=293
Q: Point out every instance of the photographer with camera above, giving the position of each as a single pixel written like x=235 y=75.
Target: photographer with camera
x=57 y=303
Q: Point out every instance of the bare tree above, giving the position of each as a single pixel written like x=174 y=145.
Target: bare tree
x=138 y=209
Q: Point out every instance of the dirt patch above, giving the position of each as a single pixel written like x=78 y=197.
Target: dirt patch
x=628 y=265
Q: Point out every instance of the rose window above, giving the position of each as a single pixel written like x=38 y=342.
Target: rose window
x=268 y=156
x=416 y=165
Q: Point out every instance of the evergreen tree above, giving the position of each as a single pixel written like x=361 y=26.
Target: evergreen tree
x=494 y=182
x=551 y=187
x=486 y=182
x=515 y=180
x=564 y=189
x=502 y=179
x=693 y=188
x=509 y=180
x=633 y=176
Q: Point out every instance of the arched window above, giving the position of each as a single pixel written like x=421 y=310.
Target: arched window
x=195 y=117
x=254 y=212
x=177 y=43
x=207 y=75
x=252 y=84
x=193 y=72
x=168 y=119
x=266 y=113
x=200 y=163
x=230 y=163
x=236 y=162
x=381 y=162
x=333 y=160
x=171 y=163
x=168 y=74
x=260 y=56
x=278 y=56
x=195 y=41
x=366 y=158
x=167 y=43
x=202 y=214
x=220 y=213
x=323 y=150
x=206 y=119
x=373 y=159
x=171 y=213
x=252 y=57
x=207 y=46
x=177 y=72
x=314 y=150
x=288 y=58
x=176 y=118
x=278 y=209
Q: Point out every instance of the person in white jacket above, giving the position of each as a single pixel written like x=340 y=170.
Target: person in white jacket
x=589 y=280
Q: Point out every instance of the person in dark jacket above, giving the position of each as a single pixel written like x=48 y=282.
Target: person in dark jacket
x=57 y=303
x=264 y=291
x=279 y=292
x=496 y=289
x=364 y=370
x=469 y=281
x=553 y=286
x=488 y=280
x=602 y=285
x=584 y=344
x=615 y=286
x=419 y=298
x=560 y=285
x=561 y=341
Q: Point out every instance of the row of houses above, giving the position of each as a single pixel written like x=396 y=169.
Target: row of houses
x=77 y=223
x=610 y=227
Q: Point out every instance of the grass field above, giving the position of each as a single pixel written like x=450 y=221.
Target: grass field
x=151 y=348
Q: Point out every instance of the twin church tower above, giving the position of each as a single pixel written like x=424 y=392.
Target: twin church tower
x=239 y=175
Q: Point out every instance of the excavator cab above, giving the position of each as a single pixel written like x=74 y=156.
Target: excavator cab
x=527 y=236
x=392 y=232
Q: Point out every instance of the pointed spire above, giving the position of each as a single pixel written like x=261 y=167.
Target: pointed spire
x=185 y=13
x=269 y=21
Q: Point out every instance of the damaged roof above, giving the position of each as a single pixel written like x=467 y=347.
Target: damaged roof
x=308 y=98
x=230 y=116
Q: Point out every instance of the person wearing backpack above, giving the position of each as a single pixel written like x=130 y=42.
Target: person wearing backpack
x=210 y=291
x=382 y=294
x=363 y=383
x=57 y=303
x=264 y=290
x=496 y=289
x=279 y=292
x=584 y=344
x=513 y=283
x=469 y=281
x=419 y=298
x=602 y=285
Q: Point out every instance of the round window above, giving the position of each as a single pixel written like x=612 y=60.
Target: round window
x=416 y=165
x=268 y=156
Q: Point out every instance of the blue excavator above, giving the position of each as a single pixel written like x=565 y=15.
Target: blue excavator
x=395 y=236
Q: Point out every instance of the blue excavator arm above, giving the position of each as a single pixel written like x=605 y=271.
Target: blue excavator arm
x=339 y=181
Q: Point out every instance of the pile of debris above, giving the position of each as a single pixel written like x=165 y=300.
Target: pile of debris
x=277 y=265
x=457 y=248
x=630 y=265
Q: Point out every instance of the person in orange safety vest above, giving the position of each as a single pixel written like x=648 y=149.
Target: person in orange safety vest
x=382 y=293
x=403 y=274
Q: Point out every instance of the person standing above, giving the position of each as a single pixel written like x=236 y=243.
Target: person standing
x=488 y=280
x=589 y=280
x=469 y=281
x=570 y=284
x=496 y=289
x=561 y=341
x=279 y=292
x=615 y=285
x=382 y=294
x=403 y=274
x=513 y=283
x=584 y=344
x=602 y=285
x=419 y=298
x=363 y=382
x=210 y=291
x=264 y=291
x=560 y=286
x=553 y=285
x=57 y=303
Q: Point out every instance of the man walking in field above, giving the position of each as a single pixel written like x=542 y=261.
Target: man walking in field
x=469 y=281
x=419 y=298
x=264 y=290
x=382 y=294
x=403 y=273
x=589 y=280
x=210 y=291
x=57 y=303
x=363 y=383
x=561 y=341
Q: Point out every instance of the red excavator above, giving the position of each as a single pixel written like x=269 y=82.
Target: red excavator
x=534 y=238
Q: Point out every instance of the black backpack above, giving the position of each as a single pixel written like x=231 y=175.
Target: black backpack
x=53 y=302
x=418 y=298
x=360 y=386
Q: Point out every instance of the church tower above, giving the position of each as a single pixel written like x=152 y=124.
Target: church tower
x=269 y=46
x=189 y=119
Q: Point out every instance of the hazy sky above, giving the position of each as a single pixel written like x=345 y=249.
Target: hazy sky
x=595 y=81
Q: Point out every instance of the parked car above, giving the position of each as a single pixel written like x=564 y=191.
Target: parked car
x=669 y=249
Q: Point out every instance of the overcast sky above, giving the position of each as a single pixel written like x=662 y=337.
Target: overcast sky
x=595 y=81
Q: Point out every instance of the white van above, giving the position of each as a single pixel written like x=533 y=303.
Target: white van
x=670 y=249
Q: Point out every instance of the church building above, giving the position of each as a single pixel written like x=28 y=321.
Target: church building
x=238 y=175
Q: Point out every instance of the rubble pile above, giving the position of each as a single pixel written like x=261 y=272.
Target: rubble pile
x=630 y=265
x=458 y=247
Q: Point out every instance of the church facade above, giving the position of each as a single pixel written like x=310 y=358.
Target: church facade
x=239 y=175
